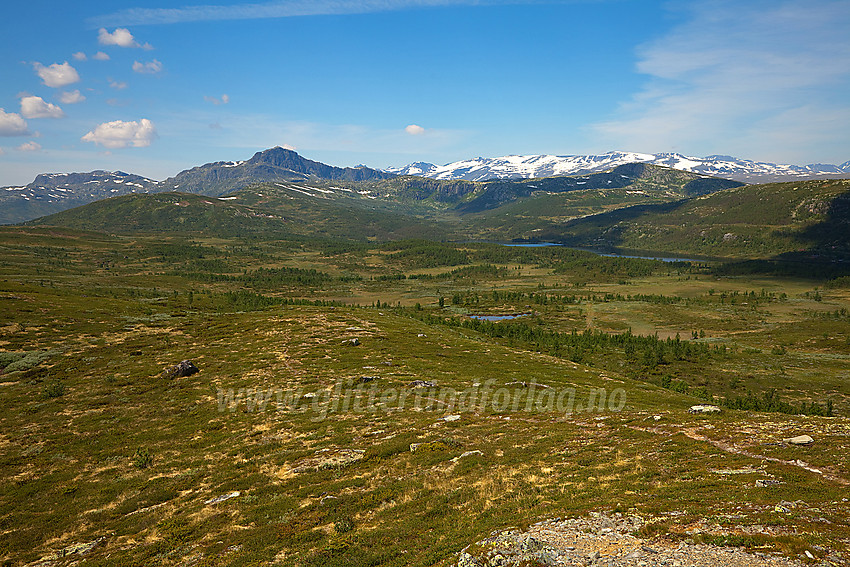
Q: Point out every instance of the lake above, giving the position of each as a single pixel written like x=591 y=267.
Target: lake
x=600 y=253
x=498 y=317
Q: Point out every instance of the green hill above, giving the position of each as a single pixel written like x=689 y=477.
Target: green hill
x=260 y=211
x=387 y=209
x=754 y=221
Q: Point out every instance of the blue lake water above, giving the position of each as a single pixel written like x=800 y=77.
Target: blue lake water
x=498 y=317
x=531 y=244
x=600 y=253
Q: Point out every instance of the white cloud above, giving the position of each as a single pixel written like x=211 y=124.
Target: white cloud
x=57 y=75
x=149 y=68
x=217 y=101
x=29 y=147
x=736 y=78
x=79 y=56
x=414 y=130
x=11 y=124
x=36 y=107
x=117 y=85
x=276 y=9
x=120 y=37
x=71 y=97
x=101 y=56
x=120 y=134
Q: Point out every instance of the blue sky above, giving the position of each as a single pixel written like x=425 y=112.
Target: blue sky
x=157 y=88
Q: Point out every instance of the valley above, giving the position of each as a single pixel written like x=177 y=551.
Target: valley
x=305 y=439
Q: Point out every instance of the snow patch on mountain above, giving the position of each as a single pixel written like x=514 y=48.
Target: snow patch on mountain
x=531 y=166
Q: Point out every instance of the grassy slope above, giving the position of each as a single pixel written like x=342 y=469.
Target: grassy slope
x=389 y=209
x=110 y=313
x=280 y=215
x=750 y=221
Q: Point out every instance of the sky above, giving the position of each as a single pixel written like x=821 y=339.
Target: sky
x=156 y=88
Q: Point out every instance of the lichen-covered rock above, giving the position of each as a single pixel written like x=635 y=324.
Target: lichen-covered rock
x=508 y=549
x=704 y=409
x=180 y=370
x=799 y=440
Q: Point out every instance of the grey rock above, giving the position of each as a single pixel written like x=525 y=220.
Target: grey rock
x=181 y=369
x=704 y=409
x=422 y=384
x=467 y=454
x=799 y=440
x=223 y=497
x=75 y=549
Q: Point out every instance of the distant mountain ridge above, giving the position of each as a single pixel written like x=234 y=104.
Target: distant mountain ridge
x=53 y=192
x=274 y=164
x=534 y=166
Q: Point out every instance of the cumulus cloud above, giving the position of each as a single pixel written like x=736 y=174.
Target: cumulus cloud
x=217 y=101
x=11 y=124
x=120 y=37
x=71 y=97
x=414 y=129
x=100 y=56
x=57 y=75
x=149 y=68
x=733 y=75
x=36 y=107
x=120 y=134
x=29 y=147
x=117 y=85
x=79 y=56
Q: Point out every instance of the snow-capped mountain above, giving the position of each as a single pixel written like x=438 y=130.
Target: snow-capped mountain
x=524 y=167
x=52 y=192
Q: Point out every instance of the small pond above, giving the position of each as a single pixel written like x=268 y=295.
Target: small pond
x=498 y=317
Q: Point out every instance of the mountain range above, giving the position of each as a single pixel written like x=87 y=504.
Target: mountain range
x=54 y=192
x=418 y=182
x=533 y=166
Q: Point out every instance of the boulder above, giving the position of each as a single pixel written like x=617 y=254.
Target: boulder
x=467 y=454
x=422 y=384
x=704 y=409
x=223 y=497
x=180 y=370
x=799 y=440
x=353 y=342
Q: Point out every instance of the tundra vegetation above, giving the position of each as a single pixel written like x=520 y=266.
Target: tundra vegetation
x=349 y=411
